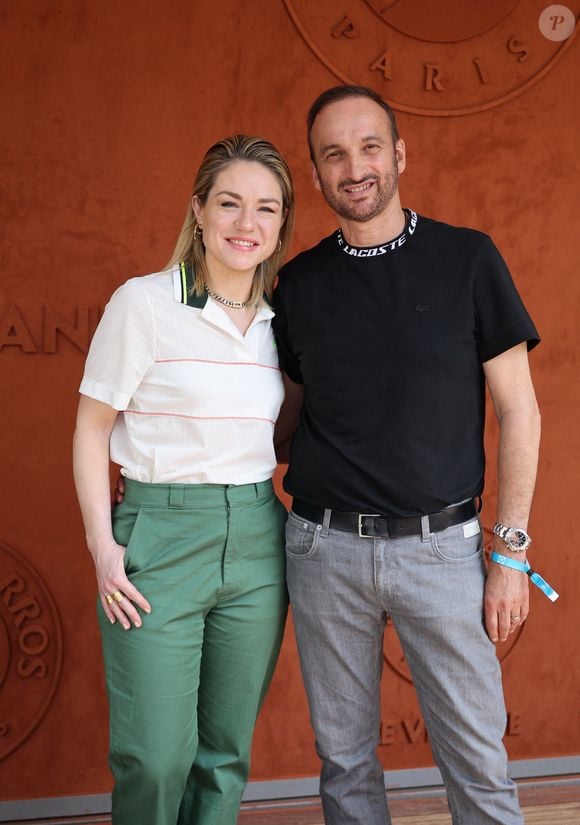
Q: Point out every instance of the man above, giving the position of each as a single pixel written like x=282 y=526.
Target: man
x=390 y=328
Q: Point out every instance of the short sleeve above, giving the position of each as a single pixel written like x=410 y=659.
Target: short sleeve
x=289 y=362
x=122 y=348
x=502 y=320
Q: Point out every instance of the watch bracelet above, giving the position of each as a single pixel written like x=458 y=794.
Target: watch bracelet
x=501 y=530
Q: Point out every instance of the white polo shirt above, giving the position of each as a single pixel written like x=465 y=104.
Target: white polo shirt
x=197 y=399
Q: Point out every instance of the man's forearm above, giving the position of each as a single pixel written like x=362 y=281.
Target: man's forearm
x=517 y=464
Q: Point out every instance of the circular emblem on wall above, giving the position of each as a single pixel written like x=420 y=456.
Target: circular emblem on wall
x=438 y=57
x=30 y=649
x=393 y=653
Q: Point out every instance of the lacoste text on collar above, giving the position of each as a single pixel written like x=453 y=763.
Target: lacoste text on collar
x=383 y=249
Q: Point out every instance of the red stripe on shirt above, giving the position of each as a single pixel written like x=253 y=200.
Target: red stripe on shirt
x=205 y=417
x=224 y=363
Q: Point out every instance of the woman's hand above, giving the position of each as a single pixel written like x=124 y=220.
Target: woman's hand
x=119 y=597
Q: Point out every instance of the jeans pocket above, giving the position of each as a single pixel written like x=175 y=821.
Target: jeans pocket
x=302 y=537
x=462 y=542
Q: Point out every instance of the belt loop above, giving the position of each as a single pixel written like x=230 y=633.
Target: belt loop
x=257 y=491
x=326 y=522
x=176 y=495
x=425 y=529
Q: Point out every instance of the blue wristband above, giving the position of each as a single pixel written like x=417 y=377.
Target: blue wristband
x=524 y=567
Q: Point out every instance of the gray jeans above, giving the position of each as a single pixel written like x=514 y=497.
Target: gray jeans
x=342 y=587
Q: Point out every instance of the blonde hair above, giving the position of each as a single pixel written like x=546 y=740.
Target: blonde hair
x=189 y=246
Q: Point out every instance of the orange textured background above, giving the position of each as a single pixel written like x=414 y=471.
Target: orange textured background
x=107 y=109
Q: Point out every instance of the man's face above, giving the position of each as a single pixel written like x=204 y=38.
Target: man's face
x=356 y=166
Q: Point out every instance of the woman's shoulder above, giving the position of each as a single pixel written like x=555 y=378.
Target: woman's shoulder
x=146 y=287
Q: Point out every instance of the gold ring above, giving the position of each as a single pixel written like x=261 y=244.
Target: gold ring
x=118 y=596
x=515 y=618
x=108 y=599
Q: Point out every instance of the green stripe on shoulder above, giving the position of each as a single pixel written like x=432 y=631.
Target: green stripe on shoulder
x=183 y=275
x=188 y=296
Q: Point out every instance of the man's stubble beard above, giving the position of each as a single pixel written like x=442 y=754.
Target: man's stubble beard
x=386 y=188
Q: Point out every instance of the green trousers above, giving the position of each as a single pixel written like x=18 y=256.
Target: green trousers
x=185 y=688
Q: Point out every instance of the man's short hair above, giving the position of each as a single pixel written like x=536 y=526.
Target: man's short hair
x=337 y=93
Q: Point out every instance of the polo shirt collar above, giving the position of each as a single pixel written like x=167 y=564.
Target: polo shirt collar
x=184 y=293
x=183 y=286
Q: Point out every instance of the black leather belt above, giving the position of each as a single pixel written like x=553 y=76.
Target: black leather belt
x=373 y=525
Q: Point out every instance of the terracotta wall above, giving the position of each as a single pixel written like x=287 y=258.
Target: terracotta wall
x=106 y=110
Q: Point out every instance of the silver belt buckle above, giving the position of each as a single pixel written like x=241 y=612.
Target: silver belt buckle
x=360 y=524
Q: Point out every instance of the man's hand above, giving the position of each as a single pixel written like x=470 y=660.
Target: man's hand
x=506 y=601
x=118 y=493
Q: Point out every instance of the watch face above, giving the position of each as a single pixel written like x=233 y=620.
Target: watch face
x=517 y=539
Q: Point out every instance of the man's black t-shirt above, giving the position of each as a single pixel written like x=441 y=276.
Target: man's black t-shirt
x=389 y=342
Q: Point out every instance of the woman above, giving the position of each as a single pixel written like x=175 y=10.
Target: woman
x=182 y=383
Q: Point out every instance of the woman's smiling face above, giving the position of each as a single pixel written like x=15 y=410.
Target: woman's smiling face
x=241 y=218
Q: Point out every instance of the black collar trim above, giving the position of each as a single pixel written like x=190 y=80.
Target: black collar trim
x=188 y=295
x=382 y=249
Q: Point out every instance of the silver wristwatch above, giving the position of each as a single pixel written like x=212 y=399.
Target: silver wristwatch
x=516 y=539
